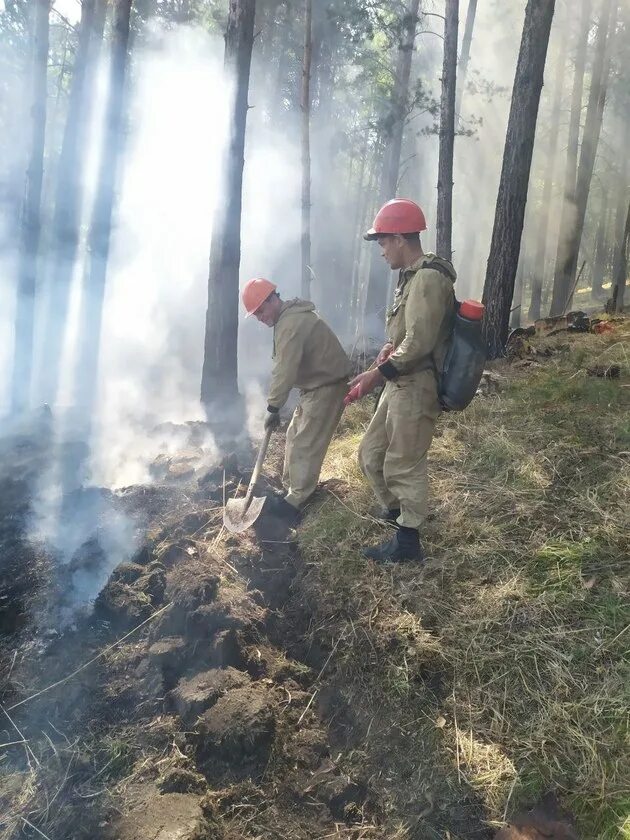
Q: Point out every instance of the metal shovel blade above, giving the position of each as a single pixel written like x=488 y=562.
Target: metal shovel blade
x=239 y=516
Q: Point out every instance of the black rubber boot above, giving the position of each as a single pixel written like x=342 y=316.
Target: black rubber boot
x=390 y=515
x=283 y=510
x=403 y=547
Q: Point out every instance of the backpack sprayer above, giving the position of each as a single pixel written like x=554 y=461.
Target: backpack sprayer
x=464 y=362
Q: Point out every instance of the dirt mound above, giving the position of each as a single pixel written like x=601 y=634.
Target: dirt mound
x=240 y=726
x=169 y=816
x=546 y=821
x=181 y=780
x=194 y=696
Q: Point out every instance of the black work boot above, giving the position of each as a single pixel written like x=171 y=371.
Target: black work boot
x=285 y=511
x=390 y=515
x=403 y=546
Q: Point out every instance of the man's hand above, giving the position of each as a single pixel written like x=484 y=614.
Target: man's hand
x=272 y=420
x=385 y=353
x=366 y=382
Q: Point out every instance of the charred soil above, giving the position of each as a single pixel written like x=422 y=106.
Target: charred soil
x=274 y=685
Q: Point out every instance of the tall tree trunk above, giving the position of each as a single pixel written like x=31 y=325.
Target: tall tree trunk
x=601 y=250
x=620 y=214
x=219 y=375
x=621 y=274
x=284 y=61
x=570 y=175
x=359 y=202
x=566 y=267
x=66 y=222
x=464 y=57
x=517 y=299
x=377 y=282
x=447 y=133
x=517 y=158
x=539 y=268
x=99 y=236
x=305 y=104
x=401 y=96
x=31 y=211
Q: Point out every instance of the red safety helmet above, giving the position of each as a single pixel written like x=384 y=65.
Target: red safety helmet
x=255 y=293
x=400 y=215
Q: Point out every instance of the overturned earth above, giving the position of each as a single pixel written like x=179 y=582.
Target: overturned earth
x=181 y=702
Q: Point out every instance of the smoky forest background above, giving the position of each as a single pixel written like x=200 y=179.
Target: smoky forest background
x=142 y=139
x=161 y=677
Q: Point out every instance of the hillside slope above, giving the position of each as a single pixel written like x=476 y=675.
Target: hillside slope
x=259 y=686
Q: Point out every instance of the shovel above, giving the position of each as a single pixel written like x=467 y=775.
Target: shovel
x=240 y=514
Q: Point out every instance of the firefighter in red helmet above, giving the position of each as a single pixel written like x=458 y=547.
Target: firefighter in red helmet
x=306 y=355
x=393 y=452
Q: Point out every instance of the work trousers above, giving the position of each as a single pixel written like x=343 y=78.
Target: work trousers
x=393 y=452
x=309 y=434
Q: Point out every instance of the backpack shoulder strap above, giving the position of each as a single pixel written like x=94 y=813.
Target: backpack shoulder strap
x=436 y=265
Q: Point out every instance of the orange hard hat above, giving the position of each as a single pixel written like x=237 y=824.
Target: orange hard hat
x=400 y=215
x=255 y=293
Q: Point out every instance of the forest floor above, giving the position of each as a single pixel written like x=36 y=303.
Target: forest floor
x=270 y=686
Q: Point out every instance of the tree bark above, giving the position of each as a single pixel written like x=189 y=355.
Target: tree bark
x=31 y=212
x=444 y=220
x=66 y=222
x=620 y=213
x=570 y=175
x=99 y=236
x=566 y=266
x=543 y=227
x=305 y=105
x=600 y=259
x=219 y=376
x=464 y=57
x=377 y=282
x=621 y=274
x=517 y=157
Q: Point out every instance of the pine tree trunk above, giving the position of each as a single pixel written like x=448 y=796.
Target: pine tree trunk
x=543 y=227
x=601 y=257
x=570 y=175
x=620 y=214
x=219 y=376
x=305 y=105
x=447 y=133
x=517 y=157
x=66 y=222
x=377 y=282
x=99 y=236
x=621 y=275
x=464 y=58
x=517 y=299
x=566 y=266
x=31 y=212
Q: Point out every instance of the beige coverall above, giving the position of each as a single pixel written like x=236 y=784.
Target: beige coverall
x=393 y=452
x=307 y=355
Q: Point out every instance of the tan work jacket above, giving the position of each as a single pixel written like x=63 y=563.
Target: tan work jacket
x=420 y=320
x=306 y=353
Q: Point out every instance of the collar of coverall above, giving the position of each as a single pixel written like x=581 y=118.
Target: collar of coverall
x=405 y=273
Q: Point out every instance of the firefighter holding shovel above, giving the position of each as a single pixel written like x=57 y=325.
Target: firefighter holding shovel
x=306 y=355
x=393 y=452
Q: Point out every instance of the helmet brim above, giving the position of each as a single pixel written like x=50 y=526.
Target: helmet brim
x=370 y=235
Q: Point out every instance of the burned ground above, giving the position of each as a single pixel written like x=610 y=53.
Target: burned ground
x=255 y=685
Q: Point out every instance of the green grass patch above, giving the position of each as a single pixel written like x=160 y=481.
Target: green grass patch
x=503 y=664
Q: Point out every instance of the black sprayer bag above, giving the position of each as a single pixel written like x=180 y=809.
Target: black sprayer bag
x=465 y=358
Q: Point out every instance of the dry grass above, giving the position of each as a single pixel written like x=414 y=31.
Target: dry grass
x=505 y=660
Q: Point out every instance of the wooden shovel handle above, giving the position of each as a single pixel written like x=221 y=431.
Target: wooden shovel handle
x=258 y=466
